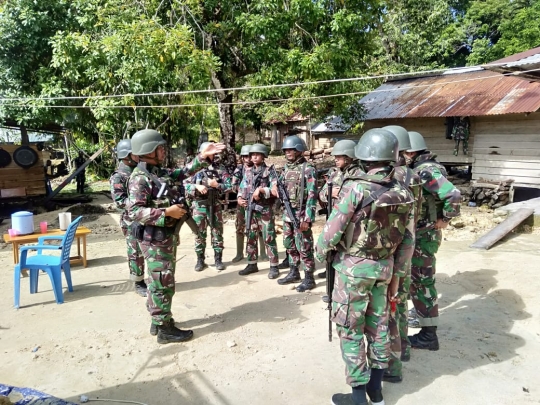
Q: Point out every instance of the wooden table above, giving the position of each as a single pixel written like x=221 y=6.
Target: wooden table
x=33 y=238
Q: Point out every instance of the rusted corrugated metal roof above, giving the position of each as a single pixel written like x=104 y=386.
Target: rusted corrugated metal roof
x=525 y=65
x=517 y=56
x=465 y=94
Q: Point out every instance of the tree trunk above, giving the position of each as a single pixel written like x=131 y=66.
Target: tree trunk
x=25 y=140
x=226 y=116
x=67 y=155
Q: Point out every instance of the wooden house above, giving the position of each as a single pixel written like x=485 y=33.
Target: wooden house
x=501 y=101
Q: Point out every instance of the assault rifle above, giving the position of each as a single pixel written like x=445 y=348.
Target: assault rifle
x=177 y=197
x=212 y=196
x=284 y=197
x=330 y=272
x=253 y=206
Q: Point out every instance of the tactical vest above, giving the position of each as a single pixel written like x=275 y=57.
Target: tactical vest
x=432 y=205
x=410 y=179
x=292 y=179
x=375 y=231
x=262 y=179
x=155 y=202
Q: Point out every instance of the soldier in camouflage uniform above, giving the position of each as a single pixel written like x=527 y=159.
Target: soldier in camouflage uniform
x=362 y=227
x=256 y=189
x=346 y=166
x=198 y=188
x=156 y=219
x=397 y=325
x=300 y=180
x=441 y=202
x=240 y=222
x=119 y=192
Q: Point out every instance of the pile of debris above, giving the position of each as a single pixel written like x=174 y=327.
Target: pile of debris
x=493 y=194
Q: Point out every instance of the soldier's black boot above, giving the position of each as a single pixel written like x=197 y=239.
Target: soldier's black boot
x=168 y=333
x=273 y=273
x=262 y=249
x=201 y=265
x=239 y=248
x=322 y=275
x=357 y=397
x=308 y=283
x=154 y=327
x=391 y=378
x=141 y=288
x=374 y=386
x=425 y=339
x=250 y=268
x=217 y=260
x=285 y=263
x=292 y=277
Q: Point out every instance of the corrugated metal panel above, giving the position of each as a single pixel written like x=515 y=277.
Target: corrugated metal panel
x=467 y=94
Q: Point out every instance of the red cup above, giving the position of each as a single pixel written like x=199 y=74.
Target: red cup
x=43 y=227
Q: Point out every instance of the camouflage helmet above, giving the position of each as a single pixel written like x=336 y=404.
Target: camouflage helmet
x=259 y=148
x=123 y=149
x=417 y=142
x=294 y=142
x=377 y=145
x=345 y=148
x=146 y=141
x=402 y=136
x=245 y=150
x=204 y=145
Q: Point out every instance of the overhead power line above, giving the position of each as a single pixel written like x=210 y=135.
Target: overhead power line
x=249 y=102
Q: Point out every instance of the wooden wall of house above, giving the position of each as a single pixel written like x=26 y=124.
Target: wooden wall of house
x=16 y=181
x=433 y=130
x=508 y=147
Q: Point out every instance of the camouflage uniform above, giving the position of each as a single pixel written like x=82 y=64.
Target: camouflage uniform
x=299 y=244
x=237 y=177
x=262 y=220
x=370 y=242
x=119 y=192
x=200 y=209
x=160 y=256
x=337 y=177
x=440 y=200
x=398 y=328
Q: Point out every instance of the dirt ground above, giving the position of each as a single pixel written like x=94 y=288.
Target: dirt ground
x=260 y=343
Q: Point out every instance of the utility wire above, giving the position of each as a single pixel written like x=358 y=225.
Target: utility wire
x=254 y=102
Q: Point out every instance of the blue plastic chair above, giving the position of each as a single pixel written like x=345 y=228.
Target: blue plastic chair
x=51 y=264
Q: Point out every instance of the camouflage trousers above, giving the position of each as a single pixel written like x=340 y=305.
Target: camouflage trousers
x=398 y=328
x=360 y=309
x=299 y=246
x=262 y=222
x=423 y=292
x=134 y=255
x=160 y=260
x=240 y=222
x=201 y=216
